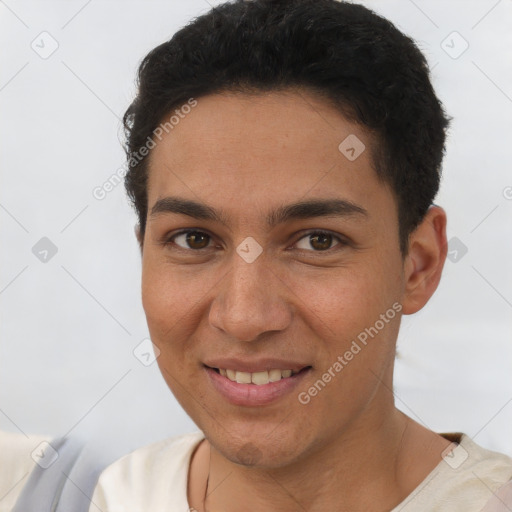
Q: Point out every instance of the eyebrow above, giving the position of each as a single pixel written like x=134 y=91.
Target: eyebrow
x=300 y=210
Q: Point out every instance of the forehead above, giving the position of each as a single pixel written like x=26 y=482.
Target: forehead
x=234 y=150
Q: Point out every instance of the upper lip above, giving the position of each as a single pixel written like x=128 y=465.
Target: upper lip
x=257 y=365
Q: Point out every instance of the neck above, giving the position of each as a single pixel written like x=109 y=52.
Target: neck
x=387 y=458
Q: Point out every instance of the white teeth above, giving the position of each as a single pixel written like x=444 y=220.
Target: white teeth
x=274 y=375
x=257 y=378
x=243 y=377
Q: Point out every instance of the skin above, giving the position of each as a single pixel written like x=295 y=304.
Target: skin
x=246 y=155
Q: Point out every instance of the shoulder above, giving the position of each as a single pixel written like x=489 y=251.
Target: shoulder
x=464 y=481
x=18 y=460
x=474 y=475
x=488 y=466
x=152 y=477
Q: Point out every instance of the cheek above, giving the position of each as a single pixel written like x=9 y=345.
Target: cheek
x=345 y=314
x=341 y=303
x=167 y=293
x=167 y=308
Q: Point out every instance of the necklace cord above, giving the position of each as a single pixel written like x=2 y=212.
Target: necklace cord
x=207 y=479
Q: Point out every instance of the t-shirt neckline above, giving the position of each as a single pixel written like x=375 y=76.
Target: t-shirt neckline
x=454 y=437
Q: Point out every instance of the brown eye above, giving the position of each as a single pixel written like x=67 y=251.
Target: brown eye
x=194 y=239
x=319 y=241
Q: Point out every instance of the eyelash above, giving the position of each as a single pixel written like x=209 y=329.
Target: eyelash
x=169 y=241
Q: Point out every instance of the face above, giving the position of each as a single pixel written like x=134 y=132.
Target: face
x=224 y=288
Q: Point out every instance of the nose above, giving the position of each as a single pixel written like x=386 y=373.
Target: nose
x=251 y=301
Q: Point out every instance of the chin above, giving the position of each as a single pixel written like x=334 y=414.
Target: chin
x=266 y=448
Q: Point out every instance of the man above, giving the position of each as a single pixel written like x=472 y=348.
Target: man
x=283 y=161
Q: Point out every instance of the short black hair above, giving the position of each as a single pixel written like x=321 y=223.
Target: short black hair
x=345 y=53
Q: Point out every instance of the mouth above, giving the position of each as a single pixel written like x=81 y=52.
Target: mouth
x=257 y=378
x=255 y=388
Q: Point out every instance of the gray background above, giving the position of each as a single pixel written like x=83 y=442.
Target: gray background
x=69 y=325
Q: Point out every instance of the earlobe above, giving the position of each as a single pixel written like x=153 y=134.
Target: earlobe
x=424 y=263
x=138 y=235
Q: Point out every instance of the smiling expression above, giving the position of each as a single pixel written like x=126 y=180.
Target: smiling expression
x=263 y=176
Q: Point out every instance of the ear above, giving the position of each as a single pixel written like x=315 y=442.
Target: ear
x=425 y=261
x=139 y=237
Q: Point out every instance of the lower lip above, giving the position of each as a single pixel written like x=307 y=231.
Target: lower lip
x=252 y=394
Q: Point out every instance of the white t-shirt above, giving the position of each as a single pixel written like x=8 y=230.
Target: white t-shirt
x=16 y=464
x=154 y=479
